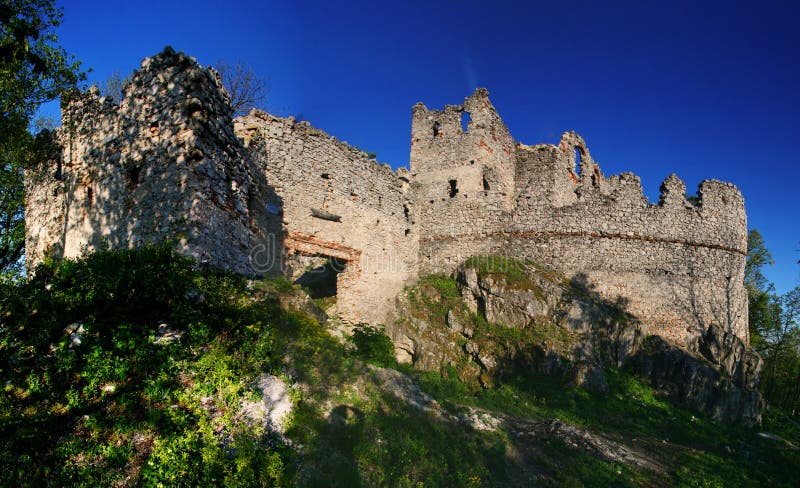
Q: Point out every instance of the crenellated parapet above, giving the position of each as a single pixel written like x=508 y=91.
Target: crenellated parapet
x=677 y=264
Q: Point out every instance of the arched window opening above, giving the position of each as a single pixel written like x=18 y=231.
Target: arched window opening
x=436 y=127
x=465 y=120
x=453 y=188
x=578 y=154
x=486 y=186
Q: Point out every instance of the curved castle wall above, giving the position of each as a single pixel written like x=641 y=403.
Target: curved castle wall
x=677 y=265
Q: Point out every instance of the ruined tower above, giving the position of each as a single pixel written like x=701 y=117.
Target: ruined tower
x=162 y=164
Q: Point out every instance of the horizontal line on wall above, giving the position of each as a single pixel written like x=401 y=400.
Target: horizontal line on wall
x=590 y=235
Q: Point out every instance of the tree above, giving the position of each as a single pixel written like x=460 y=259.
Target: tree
x=114 y=87
x=780 y=343
x=774 y=329
x=33 y=70
x=757 y=257
x=245 y=88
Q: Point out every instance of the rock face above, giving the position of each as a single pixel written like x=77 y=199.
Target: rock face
x=506 y=315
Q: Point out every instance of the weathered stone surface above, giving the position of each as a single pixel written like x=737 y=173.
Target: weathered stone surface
x=338 y=202
x=162 y=164
x=168 y=162
x=696 y=383
x=273 y=410
x=566 y=328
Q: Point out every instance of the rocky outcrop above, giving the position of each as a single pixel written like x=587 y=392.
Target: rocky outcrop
x=498 y=316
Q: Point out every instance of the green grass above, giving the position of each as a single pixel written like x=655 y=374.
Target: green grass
x=121 y=409
x=694 y=450
x=697 y=451
x=515 y=272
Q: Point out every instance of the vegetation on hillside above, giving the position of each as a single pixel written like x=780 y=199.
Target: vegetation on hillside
x=94 y=396
x=91 y=397
x=774 y=331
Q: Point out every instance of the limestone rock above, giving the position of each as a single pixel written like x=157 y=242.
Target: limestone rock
x=572 y=330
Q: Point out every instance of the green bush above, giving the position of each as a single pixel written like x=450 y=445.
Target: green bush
x=372 y=345
x=118 y=405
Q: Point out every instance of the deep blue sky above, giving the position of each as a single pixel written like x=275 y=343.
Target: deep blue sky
x=708 y=91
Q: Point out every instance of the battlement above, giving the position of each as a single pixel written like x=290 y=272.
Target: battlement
x=677 y=264
x=266 y=194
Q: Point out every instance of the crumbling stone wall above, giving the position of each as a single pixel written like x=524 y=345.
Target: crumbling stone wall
x=338 y=202
x=677 y=265
x=162 y=164
x=169 y=163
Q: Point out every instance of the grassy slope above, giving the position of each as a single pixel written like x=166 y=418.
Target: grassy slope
x=122 y=410
x=693 y=450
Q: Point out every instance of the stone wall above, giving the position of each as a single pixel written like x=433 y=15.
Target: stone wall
x=677 y=265
x=337 y=202
x=169 y=163
x=162 y=164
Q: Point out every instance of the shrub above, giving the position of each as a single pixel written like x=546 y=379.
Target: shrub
x=373 y=345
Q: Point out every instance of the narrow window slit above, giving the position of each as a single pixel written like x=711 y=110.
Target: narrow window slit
x=453 y=188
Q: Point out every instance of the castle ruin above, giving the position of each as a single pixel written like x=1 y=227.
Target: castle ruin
x=264 y=195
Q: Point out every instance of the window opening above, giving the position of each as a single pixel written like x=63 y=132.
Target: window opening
x=134 y=173
x=465 y=120
x=453 y=188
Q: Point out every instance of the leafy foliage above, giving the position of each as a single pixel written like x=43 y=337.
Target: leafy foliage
x=33 y=70
x=373 y=345
x=118 y=407
x=774 y=329
x=91 y=397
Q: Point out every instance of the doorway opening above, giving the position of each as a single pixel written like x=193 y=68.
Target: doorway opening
x=321 y=280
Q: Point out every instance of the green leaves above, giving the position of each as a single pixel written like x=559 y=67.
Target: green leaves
x=774 y=329
x=120 y=405
x=757 y=257
x=33 y=70
x=373 y=345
